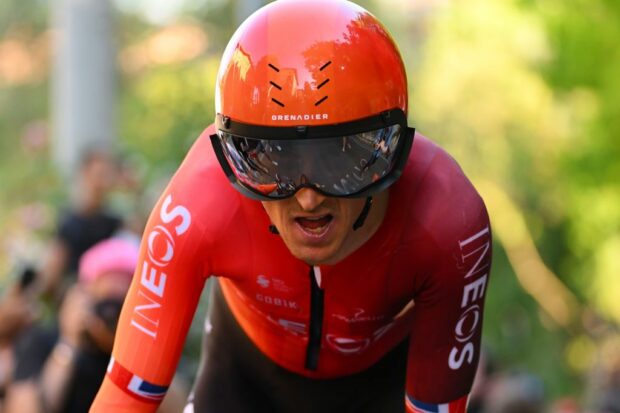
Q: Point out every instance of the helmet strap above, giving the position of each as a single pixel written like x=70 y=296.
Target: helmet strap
x=273 y=229
x=363 y=215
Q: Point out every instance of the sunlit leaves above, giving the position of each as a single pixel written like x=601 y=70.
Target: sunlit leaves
x=165 y=109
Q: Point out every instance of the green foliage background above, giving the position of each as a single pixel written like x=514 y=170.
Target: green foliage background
x=525 y=95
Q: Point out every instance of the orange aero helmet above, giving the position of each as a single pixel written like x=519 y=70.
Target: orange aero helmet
x=311 y=93
x=310 y=62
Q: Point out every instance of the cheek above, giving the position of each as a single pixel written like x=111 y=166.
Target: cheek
x=274 y=210
x=350 y=208
x=268 y=209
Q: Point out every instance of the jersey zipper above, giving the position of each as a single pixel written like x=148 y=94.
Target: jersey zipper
x=316 y=319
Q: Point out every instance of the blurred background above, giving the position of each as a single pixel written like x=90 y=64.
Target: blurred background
x=524 y=94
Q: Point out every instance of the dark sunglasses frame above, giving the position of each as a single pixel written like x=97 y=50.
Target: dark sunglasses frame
x=382 y=120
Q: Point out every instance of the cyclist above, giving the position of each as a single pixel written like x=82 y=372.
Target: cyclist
x=352 y=254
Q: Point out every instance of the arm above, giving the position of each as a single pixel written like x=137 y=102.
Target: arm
x=174 y=262
x=16 y=312
x=157 y=311
x=56 y=376
x=59 y=368
x=22 y=397
x=54 y=266
x=445 y=342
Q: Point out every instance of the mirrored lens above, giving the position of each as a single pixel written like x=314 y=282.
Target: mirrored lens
x=336 y=166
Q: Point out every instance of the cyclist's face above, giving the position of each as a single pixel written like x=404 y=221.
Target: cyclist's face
x=319 y=229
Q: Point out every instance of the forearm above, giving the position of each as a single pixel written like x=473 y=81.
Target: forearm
x=22 y=397
x=56 y=376
x=54 y=265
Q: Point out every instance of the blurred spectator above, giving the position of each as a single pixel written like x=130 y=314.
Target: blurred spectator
x=609 y=402
x=497 y=391
x=514 y=393
x=565 y=405
x=61 y=371
x=16 y=312
x=604 y=380
x=85 y=224
x=484 y=375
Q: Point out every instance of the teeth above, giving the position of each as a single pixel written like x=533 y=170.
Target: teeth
x=314 y=218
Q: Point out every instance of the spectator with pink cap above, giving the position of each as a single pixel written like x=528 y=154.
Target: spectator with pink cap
x=111 y=257
x=62 y=370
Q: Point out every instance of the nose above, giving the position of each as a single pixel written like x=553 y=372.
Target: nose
x=309 y=199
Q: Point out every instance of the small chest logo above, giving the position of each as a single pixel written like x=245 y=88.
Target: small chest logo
x=263 y=281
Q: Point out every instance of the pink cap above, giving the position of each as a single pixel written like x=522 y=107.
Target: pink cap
x=112 y=255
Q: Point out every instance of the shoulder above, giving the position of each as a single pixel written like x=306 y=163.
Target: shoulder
x=199 y=173
x=443 y=203
x=201 y=186
x=199 y=203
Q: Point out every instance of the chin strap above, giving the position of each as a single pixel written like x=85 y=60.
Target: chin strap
x=363 y=215
x=273 y=229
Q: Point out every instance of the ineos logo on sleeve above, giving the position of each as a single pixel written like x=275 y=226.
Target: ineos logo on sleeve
x=161 y=243
x=475 y=252
x=156 y=233
x=177 y=211
x=464 y=333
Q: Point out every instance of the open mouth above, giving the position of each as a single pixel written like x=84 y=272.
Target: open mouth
x=315 y=225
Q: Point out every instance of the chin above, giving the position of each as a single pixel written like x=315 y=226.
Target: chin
x=315 y=256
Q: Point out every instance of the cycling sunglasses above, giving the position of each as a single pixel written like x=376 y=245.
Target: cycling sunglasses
x=353 y=159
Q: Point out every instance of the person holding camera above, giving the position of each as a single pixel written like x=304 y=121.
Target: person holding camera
x=60 y=369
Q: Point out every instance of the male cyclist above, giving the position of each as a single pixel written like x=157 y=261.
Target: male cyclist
x=352 y=254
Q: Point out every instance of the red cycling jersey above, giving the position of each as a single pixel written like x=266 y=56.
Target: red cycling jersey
x=422 y=275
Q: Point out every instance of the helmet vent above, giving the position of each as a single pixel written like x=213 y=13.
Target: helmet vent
x=323 y=99
x=323 y=83
x=274 y=84
x=277 y=86
x=277 y=102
